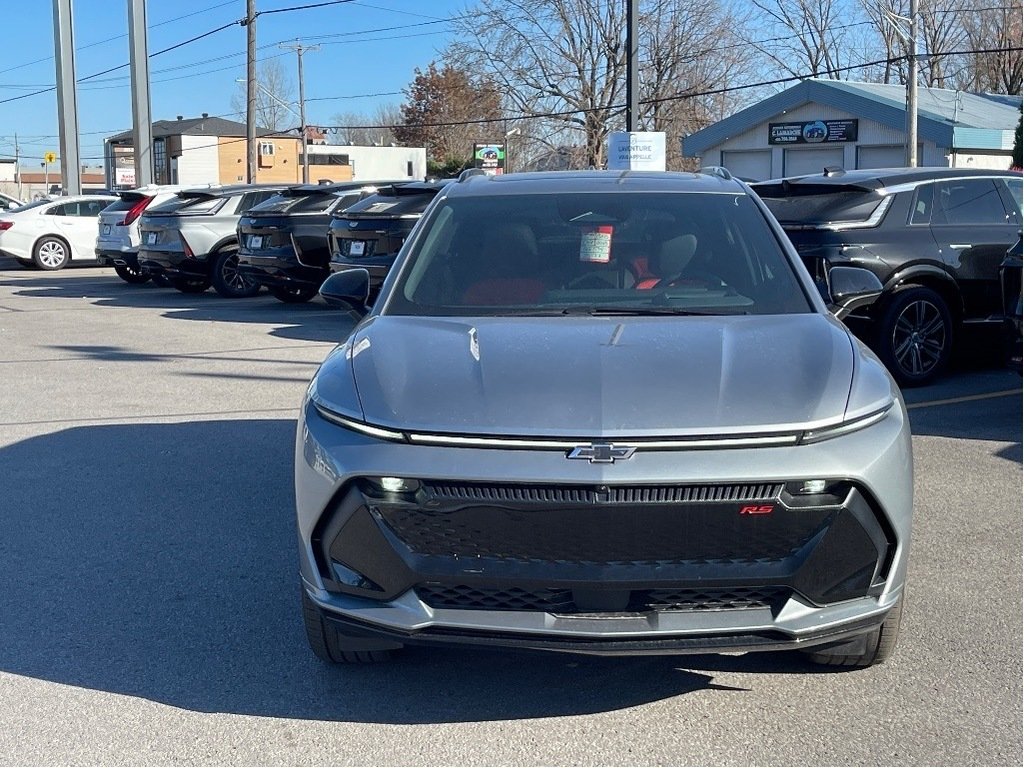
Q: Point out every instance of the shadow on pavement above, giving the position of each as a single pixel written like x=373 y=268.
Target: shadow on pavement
x=158 y=561
x=312 y=321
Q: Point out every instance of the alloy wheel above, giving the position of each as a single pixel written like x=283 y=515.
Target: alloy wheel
x=919 y=337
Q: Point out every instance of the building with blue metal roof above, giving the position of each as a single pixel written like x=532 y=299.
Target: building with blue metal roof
x=830 y=123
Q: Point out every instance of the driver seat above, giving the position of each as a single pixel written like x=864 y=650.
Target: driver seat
x=674 y=256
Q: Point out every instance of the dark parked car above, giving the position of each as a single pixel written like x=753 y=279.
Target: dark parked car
x=191 y=239
x=935 y=237
x=1010 y=279
x=371 y=232
x=283 y=241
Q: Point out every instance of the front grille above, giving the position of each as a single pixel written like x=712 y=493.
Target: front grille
x=640 y=533
x=556 y=600
x=643 y=494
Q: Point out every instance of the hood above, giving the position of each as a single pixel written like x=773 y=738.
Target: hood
x=596 y=377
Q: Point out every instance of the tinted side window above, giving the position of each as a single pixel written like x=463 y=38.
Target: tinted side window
x=251 y=199
x=921 y=211
x=91 y=208
x=968 y=201
x=1016 y=191
x=64 y=209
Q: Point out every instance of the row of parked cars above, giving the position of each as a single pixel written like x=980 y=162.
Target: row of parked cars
x=237 y=239
x=943 y=243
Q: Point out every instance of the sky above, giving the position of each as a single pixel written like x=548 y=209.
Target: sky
x=369 y=51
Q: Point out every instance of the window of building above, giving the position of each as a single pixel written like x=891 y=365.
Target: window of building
x=324 y=159
x=159 y=161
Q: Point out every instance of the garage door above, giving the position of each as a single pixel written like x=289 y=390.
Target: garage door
x=801 y=162
x=750 y=164
x=890 y=156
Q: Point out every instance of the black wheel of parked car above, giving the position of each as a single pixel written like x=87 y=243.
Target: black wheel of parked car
x=190 y=284
x=227 y=280
x=879 y=644
x=915 y=336
x=327 y=643
x=295 y=294
x=132 y=275
x=51 y=253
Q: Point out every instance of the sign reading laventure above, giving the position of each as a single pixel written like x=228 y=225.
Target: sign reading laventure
x=812 y=132
x=636 y=151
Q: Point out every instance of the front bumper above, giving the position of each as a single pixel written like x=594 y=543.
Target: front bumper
x=624 y=577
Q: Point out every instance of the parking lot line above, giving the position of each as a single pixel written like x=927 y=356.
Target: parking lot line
x=965 y=398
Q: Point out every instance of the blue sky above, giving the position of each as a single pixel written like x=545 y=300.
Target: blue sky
x=200 y=77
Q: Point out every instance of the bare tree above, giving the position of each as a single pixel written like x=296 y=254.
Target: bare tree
x=886 y=17
x=942 y=31
x=275 y=97
x=804 y=37
x=990 y=27
x=562 y=65
x=375 y=128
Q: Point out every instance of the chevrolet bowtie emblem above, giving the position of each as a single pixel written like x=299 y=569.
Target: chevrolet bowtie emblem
x=601 y=453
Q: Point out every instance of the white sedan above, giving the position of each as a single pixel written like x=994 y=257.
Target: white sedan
x=51 y=232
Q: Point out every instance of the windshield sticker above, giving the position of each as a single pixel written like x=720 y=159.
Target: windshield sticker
x=596 y=244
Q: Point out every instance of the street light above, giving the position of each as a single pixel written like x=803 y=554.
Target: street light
x=508 y=155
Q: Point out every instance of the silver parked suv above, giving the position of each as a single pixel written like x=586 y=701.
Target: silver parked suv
x=118 y=239
x=191 y=239
x=605 y=413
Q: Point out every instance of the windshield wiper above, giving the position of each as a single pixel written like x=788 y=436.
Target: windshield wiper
x=595 y=311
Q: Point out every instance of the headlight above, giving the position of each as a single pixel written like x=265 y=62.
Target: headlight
x=358 y=426
x=827 y=433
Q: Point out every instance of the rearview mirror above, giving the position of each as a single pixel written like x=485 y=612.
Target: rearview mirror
x=852 y=288
x=348 y=289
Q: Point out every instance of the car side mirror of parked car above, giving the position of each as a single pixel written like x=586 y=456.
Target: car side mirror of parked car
x=348 y=289
x=852 y=288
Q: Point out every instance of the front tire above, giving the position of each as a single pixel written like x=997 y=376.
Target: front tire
x=228 y=281
x=296 y=294
x=131 y=275
x=915 y=336
x=330 y=646
x=51 y=253
x=878 y=644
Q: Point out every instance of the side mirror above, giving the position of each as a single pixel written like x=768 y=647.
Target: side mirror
x=851 y=288
x=348 y=289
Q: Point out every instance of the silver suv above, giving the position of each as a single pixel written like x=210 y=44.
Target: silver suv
x=191 y=239
x=118 y=239
x=604 y=413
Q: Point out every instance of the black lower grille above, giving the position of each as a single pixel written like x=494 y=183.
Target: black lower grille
x=606 y=535
x=443 y=492
x=556 y=600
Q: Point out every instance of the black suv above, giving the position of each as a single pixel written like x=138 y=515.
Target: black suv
x=370 y=233
x=283 y=241
x=935 y=237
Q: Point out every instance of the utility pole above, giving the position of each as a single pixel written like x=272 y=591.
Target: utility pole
x=299 y=49
x=912 y=89
x=67 y=99
x=142 y=119
x=632 y=67
x=250 y=90
x=17 y=166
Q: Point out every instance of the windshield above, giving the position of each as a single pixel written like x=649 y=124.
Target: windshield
x=806 y=204
x=596 y=253
x=284 y=203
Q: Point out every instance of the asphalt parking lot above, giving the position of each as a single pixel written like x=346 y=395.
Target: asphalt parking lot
x=150 y=615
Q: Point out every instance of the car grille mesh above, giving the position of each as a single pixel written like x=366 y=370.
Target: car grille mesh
x=645 y=494
x=556 y=600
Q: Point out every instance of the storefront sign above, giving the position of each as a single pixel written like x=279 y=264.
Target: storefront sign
x=490 y=157
x=812 y=132
x=636 y=151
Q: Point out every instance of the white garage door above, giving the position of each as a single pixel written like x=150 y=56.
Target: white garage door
x=750 y=164
x=801 y=162
x=890 y=156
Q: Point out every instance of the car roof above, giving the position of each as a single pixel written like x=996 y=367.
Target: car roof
x=879 y=178
x=227 y=190
x=548 y=182
x=337 y=186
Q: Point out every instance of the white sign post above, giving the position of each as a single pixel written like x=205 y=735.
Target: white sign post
x=636 y=151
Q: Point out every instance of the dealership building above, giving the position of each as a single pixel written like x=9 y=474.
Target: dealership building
x=828 y=123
